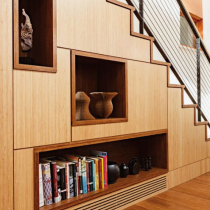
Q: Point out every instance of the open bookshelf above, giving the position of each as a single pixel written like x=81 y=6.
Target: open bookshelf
x=98 y=73
x=43 y=55
x=118 y=151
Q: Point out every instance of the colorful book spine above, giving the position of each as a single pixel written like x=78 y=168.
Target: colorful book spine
x=91 y=175
x=67 y=180
x=56 y=197
x=97 y=174
x=59 y=183
x=105 y=171
x=80 y=176
x=63 y=183
x=94 y=176
x=41 y=195
x=71 y=180
x=100 y=172
x=102 y=167
x=75 y=175
x=84 y=178
x=104 y=156
x=87 y=175
x=47 y=187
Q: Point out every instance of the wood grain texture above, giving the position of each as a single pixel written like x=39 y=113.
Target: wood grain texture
x=6 y=113
x=186 y=141
x=188 y=172
x=44 y=51
x=42 y=107
x=24 y=179
x=192 y=195
x=147 y=104
x=97 y=141
x=99 y=27
x=99 y=73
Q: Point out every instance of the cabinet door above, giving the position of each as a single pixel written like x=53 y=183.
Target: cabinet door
x=24 y=179
x=42 y=105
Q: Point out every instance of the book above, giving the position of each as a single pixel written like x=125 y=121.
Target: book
x=59 y=183
x=71 y=180
x=84 y=178
x=41 y=194
x=92 y=175
x=54 y=175
x=75 y=175
x=101 y=172
x=47 y=187
x=96 y=172
x=75 y=159
x=87 y=175
x=63 y=183
x=65 y=164
x=105 y=162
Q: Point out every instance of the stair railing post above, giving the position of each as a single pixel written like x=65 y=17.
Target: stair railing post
x=141 y=11
x=198 y=45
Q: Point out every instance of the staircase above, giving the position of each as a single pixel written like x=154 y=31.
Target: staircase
x=133 y=10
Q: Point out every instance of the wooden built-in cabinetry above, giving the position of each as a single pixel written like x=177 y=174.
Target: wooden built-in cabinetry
x=99 y=73
x=118 y=151
x=43 y=55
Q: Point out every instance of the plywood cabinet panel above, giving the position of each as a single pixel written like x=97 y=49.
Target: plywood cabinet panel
x=24 y=179
x=186 y=141
x=42 y=105
x=186 y=173
x=6 y=119
x=100 y=27
x=147 y=104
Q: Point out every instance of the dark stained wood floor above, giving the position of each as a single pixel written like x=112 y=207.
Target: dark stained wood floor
x=194 y=194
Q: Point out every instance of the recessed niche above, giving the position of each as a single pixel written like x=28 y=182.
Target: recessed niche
x=117 y=151
x=97 y=73
x=42 y=56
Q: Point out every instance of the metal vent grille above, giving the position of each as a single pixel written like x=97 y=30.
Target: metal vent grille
x=127 y=196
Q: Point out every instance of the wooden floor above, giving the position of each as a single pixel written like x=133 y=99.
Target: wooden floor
x=194 y=194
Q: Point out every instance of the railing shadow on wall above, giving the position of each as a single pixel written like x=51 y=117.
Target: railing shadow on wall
x=179 y=43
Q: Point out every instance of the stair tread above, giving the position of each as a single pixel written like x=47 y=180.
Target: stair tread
x=189 y=105
x=176 y=86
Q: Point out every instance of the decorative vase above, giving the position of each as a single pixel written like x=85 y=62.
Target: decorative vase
x=113 y=172
x=124 y=170
x=103 y=103
x=82 y=107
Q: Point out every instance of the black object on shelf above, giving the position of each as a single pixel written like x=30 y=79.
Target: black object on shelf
x=134 y=167
x=124 y=170
x=150 y=161
x=146 y=164
x=142 y=162
x=113 y=172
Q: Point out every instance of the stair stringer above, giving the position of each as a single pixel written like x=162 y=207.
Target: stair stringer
x=193 y=106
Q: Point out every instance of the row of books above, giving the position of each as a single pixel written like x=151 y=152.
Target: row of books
x=70 y=175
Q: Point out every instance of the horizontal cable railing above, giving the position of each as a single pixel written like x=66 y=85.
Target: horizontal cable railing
x=178 y=40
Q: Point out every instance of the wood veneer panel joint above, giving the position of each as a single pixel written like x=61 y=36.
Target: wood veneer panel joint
x=97 y=141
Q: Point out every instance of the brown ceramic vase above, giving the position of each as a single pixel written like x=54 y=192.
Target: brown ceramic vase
x=82 y=107
x=103 y=103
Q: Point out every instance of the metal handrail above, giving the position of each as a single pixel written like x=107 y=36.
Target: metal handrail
x=197 y=35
